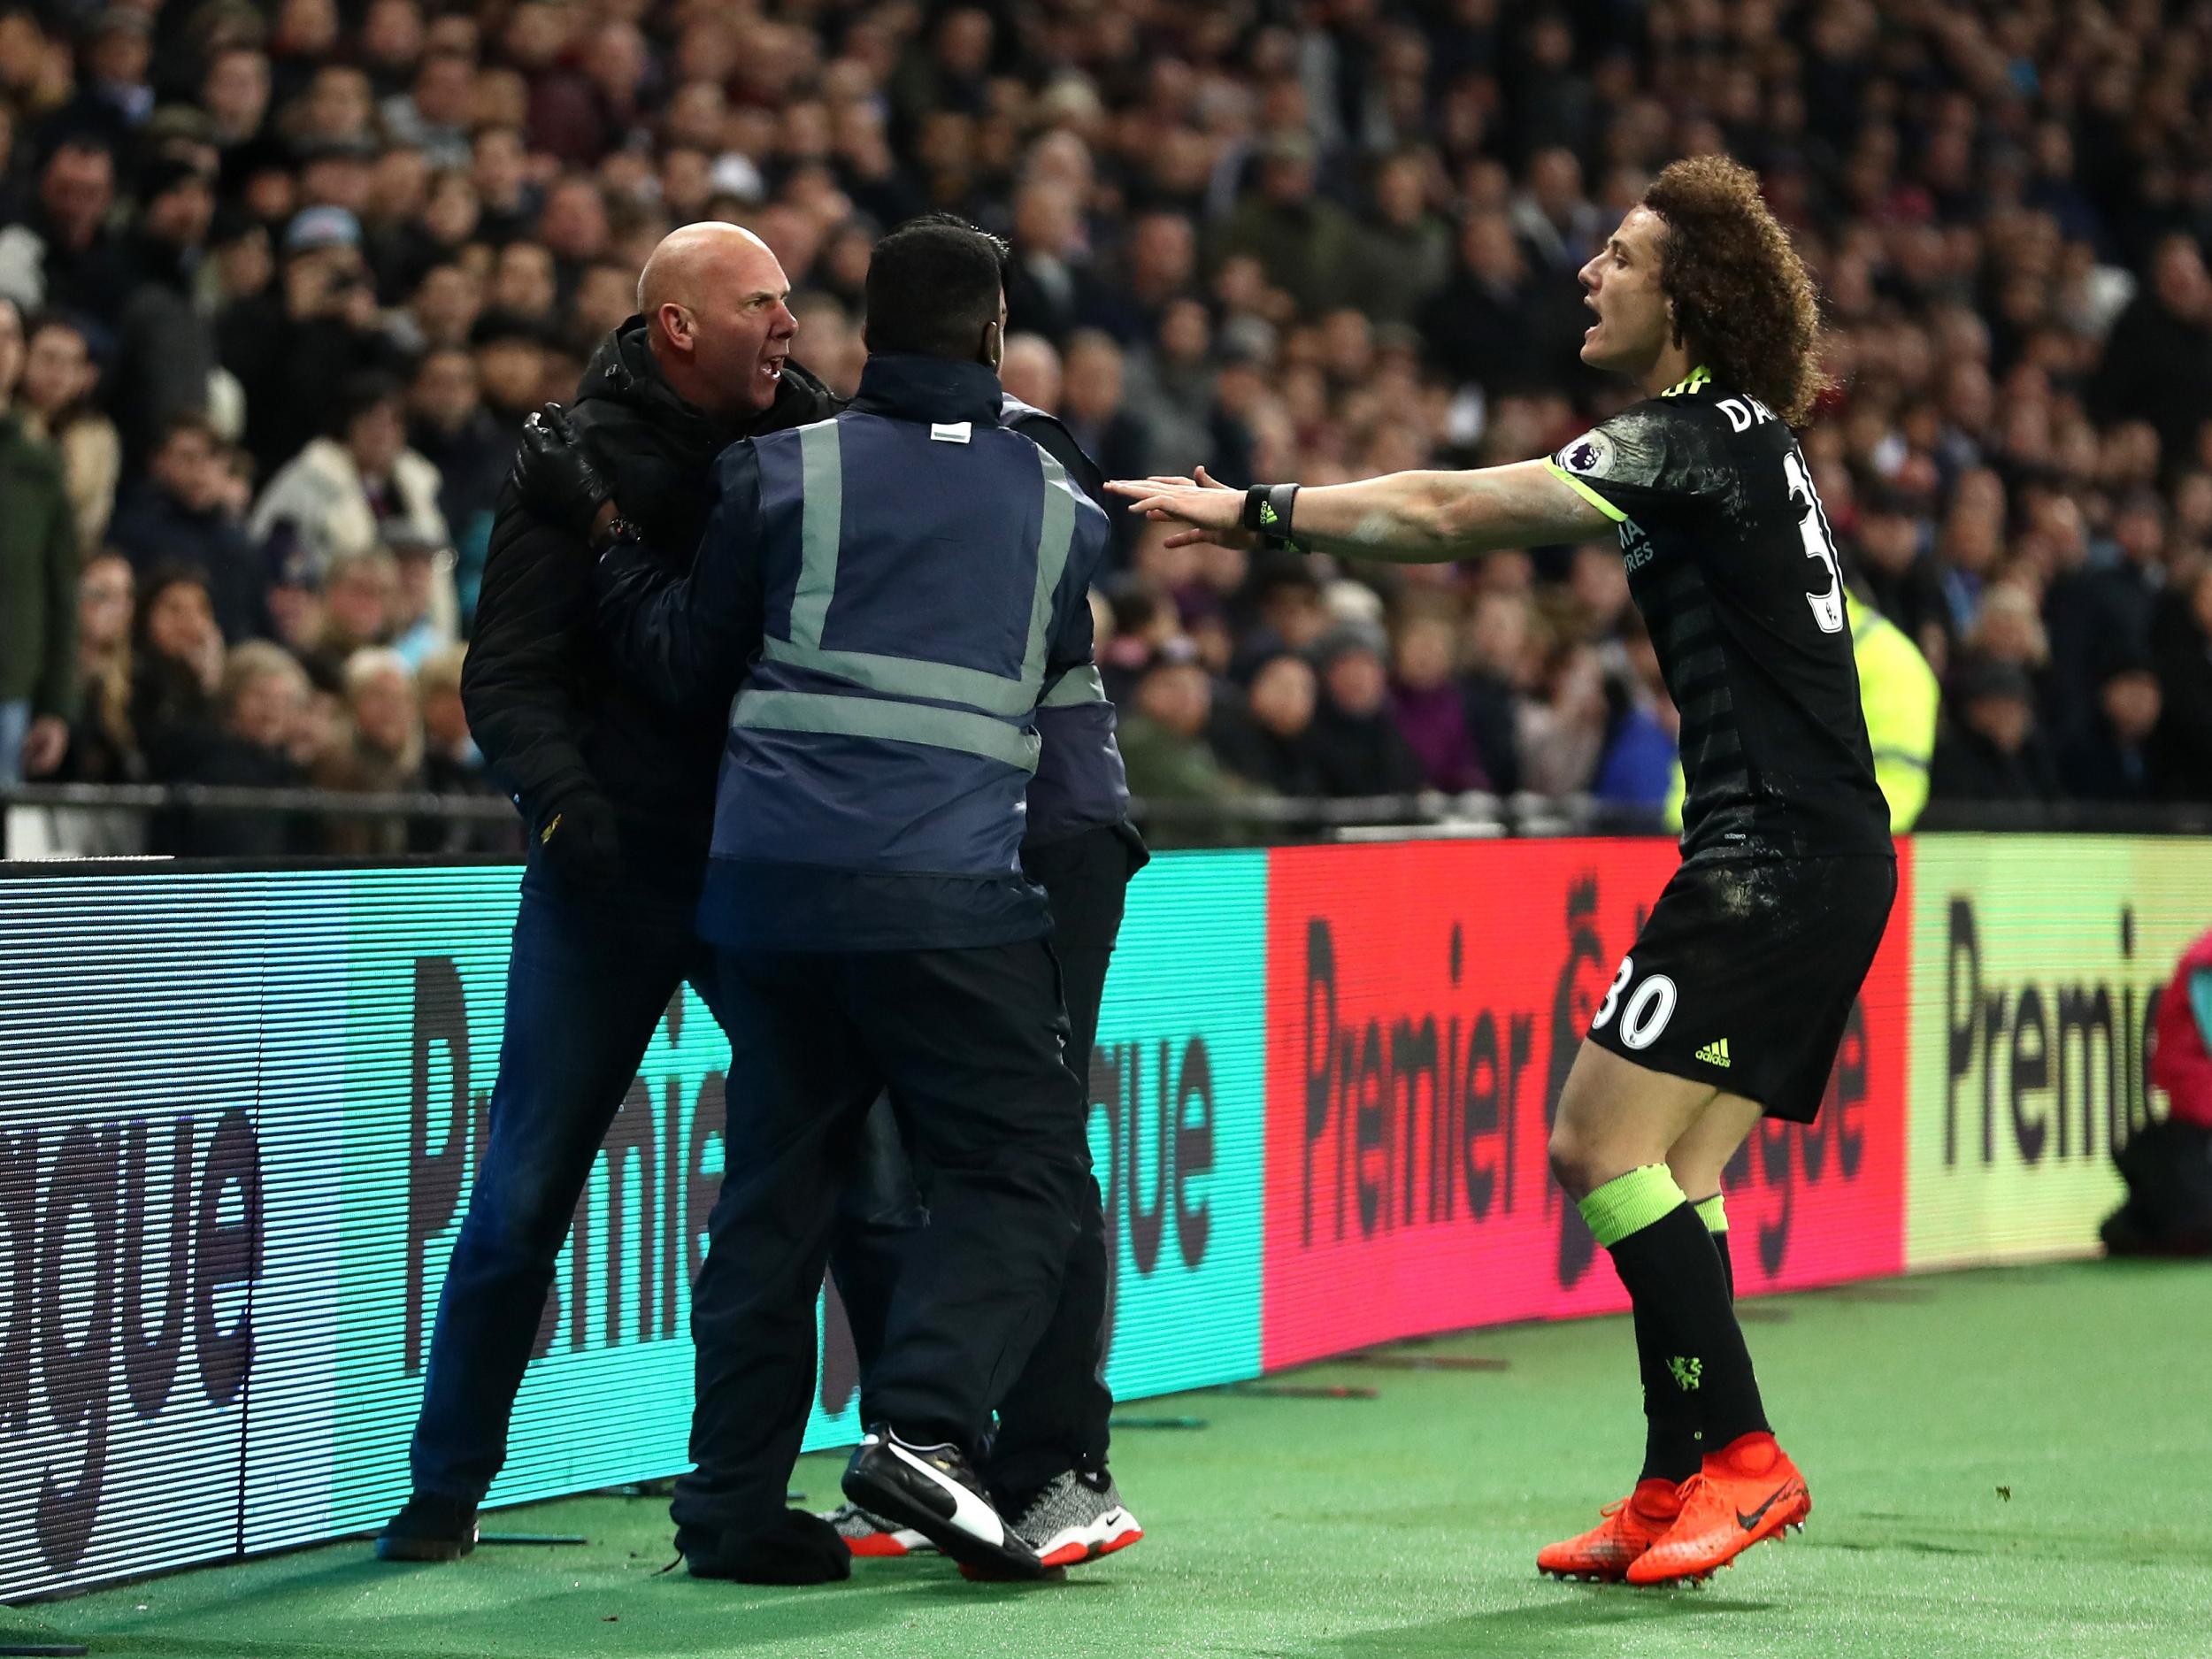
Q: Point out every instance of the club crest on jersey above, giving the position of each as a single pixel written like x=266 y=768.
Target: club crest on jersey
x=1589 y=456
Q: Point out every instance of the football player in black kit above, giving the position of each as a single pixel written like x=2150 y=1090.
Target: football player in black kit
x=1734 y=999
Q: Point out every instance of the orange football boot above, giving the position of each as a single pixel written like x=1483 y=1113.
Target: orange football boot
x=1631 y=1526
x=1748 y=1491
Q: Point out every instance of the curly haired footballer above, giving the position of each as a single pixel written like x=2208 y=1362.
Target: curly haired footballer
x=1733 y=1002
x=1738 y=287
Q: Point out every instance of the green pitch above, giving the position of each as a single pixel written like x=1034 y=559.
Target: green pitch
x=2009 y=1461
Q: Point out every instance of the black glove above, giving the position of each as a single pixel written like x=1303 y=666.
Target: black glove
x=554 y=476
x=579 y=835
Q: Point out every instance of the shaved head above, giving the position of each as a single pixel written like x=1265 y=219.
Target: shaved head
x=714 y=298
x=692 y=257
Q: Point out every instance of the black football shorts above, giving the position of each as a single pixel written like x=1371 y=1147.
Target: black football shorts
x=1745 y=975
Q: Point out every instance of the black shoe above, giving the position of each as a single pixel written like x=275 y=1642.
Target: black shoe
x=800 y=1549
x=934 y=1490
x=428 y=1528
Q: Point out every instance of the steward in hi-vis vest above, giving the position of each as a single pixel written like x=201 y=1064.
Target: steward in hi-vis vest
x=896 y=597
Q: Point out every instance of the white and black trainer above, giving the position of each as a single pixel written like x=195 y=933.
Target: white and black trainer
x=1079 y=1516
x=872 y=1537
x=933 y=1491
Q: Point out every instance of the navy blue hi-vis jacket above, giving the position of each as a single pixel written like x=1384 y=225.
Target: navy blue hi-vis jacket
x=1081 y=783
x=897 y=590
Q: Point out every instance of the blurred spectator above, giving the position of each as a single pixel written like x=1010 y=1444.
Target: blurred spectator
x=181 y=511
x=1357 y=744
x=1289 y=614
x=1481 y=325
x=451 y=763
x=359 y=597
x=423 y=619
x=261 y=701
x=450 y=427
x=165 y=346
x=1991 y=750
x=60 y=252
x=1430 y=706
x=55 y=399
x=1561 y=731
x=1270 y=743
x=1302 y=241
x=379 y=751
x=1899 y=569
x=1403 y=252
x=2158 y=361
x=2009 y=630
x=1030 y=371
x=1498 y=651
x=1164 y=747
x=509 y=352
x=2113 y=755
x=176 y=667
x=1553 y=216
x=1049 y=285
x=341 y=493
x=101 y=748
x=292 y=346
x=1091 y=409
x=434 y=114
x=2104 y=602
x=2183 y=643
x=1638 y=766
x=38 y=585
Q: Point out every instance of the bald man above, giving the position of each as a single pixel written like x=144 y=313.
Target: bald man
x=619 y=801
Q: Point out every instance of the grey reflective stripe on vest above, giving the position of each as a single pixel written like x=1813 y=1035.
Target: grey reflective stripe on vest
x=1055 y=532
x=821 y=523
x=910 y=677
x=897 y=722
x=1073 y=688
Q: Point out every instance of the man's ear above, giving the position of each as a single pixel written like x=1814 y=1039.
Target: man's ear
x=676 y=324
x=993 y=347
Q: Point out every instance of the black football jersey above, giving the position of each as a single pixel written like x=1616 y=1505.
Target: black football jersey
x=1730 y=561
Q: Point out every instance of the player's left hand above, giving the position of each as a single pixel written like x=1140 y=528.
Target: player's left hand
x=1214 y=511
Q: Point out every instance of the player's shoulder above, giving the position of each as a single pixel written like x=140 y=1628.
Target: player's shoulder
x=1678 y=444
x=1704 y=408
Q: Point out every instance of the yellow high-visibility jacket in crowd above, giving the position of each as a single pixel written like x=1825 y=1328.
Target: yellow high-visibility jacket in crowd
x=1899 y=692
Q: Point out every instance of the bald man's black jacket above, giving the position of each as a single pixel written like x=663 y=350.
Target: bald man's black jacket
x=543 y=704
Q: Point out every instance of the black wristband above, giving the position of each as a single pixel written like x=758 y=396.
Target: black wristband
x=1267 y=509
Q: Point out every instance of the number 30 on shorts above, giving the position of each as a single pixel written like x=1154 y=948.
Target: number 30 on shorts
x=1650 y=1006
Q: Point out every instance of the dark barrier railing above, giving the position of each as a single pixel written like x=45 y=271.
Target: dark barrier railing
x=91 y=820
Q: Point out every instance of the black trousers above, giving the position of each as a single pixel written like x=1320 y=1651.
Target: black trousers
x=1055 y=1415
x=970 y=1044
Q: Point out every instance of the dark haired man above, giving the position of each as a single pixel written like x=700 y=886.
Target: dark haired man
x=1735 y=997
x=865 y=896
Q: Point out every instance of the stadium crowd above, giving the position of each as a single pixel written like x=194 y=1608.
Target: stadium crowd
x=281 y=281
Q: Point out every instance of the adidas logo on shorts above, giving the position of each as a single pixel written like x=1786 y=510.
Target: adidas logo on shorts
x=1715 y=1053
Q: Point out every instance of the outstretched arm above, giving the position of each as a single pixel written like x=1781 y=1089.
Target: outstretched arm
x=1404 y=517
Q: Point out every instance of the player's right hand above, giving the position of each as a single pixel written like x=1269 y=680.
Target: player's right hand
x=554 y=477
x=579 y=835
x=1213 y=511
